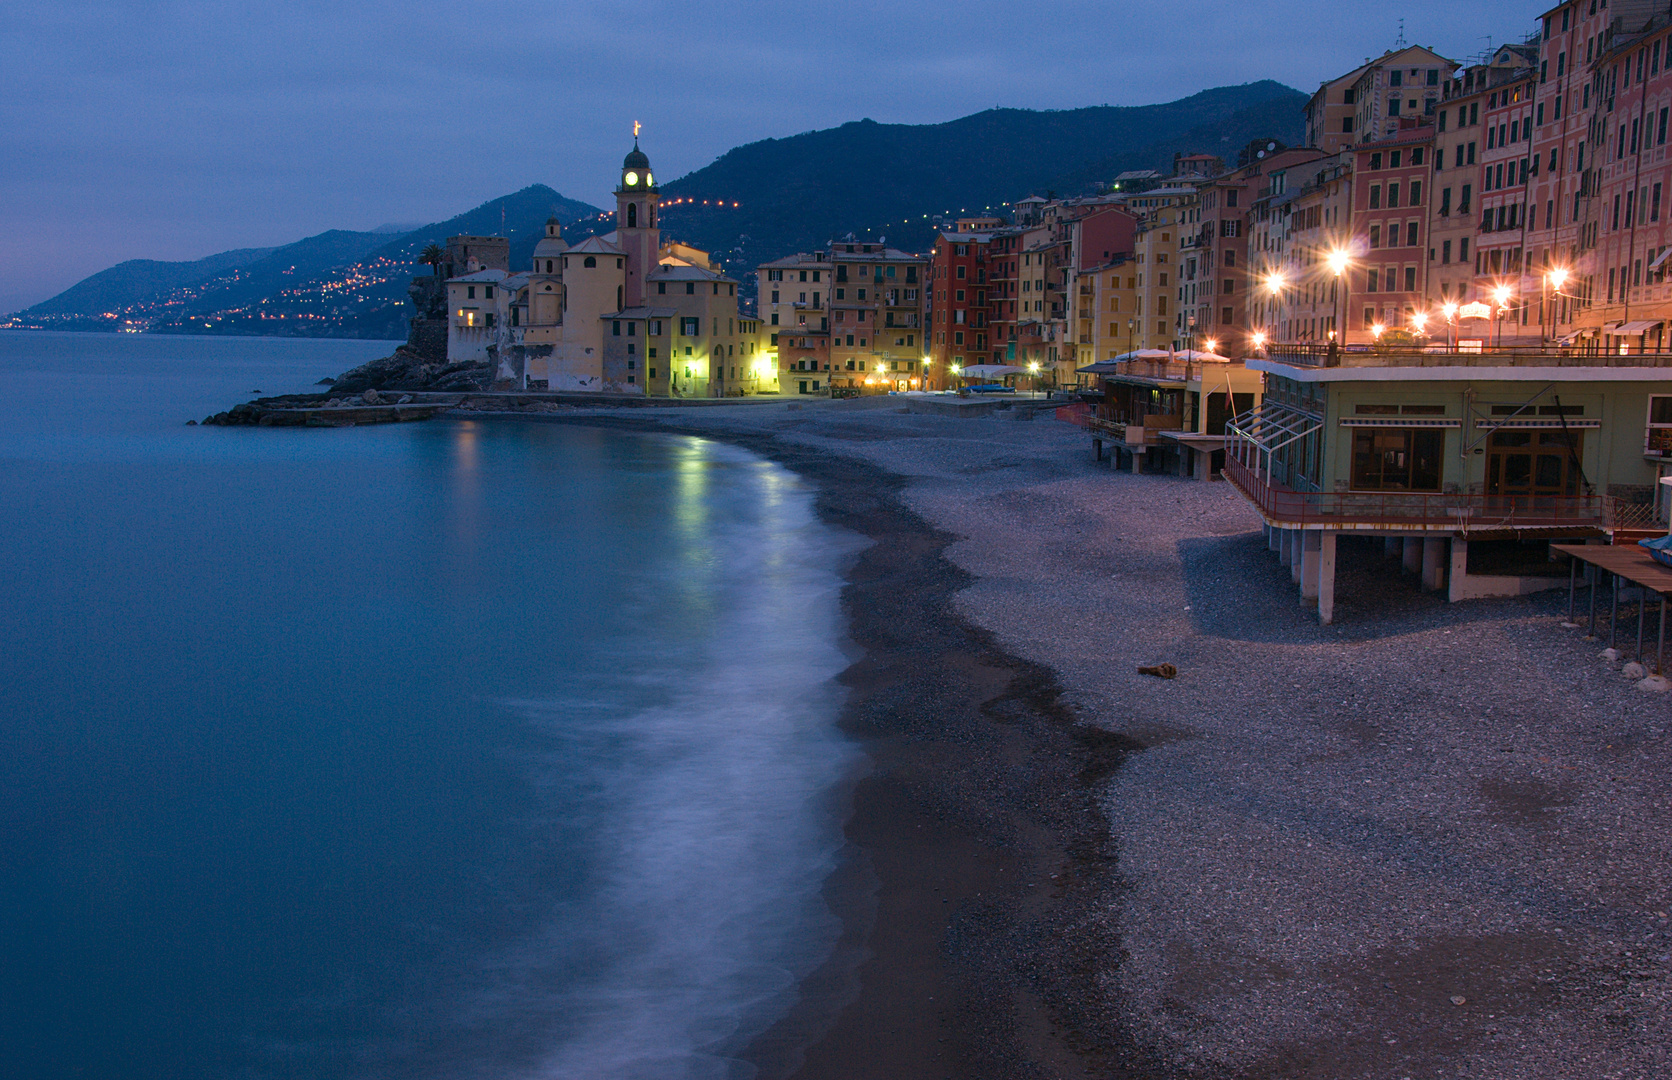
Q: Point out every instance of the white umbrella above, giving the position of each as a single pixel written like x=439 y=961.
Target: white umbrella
x=1144 y=354
x=989 y=371
x=1193 y=354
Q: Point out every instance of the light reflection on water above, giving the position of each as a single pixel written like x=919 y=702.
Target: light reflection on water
x=454 y=748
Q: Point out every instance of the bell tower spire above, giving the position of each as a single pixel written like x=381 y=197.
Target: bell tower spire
x=636 y=203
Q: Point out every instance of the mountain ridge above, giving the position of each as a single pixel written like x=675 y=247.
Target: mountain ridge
x=766 y=199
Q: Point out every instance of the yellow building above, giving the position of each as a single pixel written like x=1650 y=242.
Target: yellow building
x=628 y=312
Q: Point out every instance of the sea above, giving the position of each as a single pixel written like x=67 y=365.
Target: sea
x=455 y=749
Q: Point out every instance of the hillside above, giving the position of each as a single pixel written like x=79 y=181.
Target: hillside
x=891 y=179
x=790 y=194
x=132 y=281
x=336 y=284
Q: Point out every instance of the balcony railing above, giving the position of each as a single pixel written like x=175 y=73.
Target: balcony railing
x=1439 y=355
x=1409 y=510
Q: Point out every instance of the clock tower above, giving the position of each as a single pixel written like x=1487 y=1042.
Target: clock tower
x=637 y=234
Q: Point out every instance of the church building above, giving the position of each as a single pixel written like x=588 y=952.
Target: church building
x=626 y=312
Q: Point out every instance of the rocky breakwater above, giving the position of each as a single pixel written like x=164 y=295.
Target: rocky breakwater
x=408 y=370
x=320 y=410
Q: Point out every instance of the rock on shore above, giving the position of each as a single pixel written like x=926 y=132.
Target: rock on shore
x=407 y=370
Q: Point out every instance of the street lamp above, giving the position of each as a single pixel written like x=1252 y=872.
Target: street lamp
x=1449 y=310
x=1552 y=282
x=1501 y=296
x=1337 y=261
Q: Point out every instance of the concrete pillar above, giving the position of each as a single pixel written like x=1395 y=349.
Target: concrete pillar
x=1202 y=462
x=1391 y=547
x=1297 y=542
x=1459 y=572
x=1326 y=577
x=1182 y=469
x=1137 y=462
x=1433 y=563
x=1310 y=549
x=1097 y=449
x=1413 y=554
x=1274 y=537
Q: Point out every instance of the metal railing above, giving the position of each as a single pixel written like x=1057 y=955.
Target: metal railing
x=1441 y=355
x=1464 y=513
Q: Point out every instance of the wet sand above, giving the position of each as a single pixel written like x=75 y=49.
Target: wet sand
x=1426 y=841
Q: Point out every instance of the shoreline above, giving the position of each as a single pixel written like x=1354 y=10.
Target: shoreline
x=976 y=854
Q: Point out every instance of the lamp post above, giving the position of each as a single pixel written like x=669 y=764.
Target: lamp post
x=1337 y=261
x=1500 y=296
x=1449 y=310
x=1550 y=283
x=925 y=381
x=1274 y=285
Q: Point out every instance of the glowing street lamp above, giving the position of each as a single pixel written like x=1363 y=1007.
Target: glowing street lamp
x=1337 y=261
x=1377 y=330
x=1449 y=310
x=1500 y=298
x=1552 y=282
x=1212 y=345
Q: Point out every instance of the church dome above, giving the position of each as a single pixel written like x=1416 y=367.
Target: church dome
x=636 y=159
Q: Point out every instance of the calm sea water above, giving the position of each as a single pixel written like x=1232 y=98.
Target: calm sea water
x=452 y=749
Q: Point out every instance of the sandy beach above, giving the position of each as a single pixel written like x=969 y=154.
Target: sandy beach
x=1428 y=840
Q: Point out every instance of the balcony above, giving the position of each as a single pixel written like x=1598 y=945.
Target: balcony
x=1408 y=511
x=1439 y=355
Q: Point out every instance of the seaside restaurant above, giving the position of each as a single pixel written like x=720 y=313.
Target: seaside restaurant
x=1464 y=464
x=1167 y=410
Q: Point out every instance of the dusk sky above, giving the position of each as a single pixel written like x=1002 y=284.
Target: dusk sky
x=172 y=130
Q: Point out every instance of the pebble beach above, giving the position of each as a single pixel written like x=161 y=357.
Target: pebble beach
x=1428 y=840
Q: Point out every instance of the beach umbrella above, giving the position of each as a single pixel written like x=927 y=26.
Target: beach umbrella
x=990 y=371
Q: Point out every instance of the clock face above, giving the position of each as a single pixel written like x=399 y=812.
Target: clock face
x=647 y=179
x=631 y=179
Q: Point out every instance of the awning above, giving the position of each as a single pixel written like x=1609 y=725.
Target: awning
x=1400 y=422
x=1102 y=367
x=989 y=371
x=1636 y=327
x=1535 y=423
x=1660 y=260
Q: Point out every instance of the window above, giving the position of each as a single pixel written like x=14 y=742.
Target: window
x=1410 y=234
x=1227 y=316
x=1375 y=236
x=589 y=261
x=1375 y=161
x=487 y=292
x=1393 y=195
x=1445 y=251
x=690 y=327
x=1445 y=202
x=470 y=292
x=1411 y=276
x=1397 y=459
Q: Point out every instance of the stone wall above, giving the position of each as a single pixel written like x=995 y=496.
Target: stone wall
x=428 y=338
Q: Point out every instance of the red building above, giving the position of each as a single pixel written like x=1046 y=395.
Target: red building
x=1388 y=279
x=960 y=334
